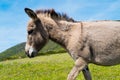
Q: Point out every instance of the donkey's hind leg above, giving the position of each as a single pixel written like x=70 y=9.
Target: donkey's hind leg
x=86 y=73
x=80 y=64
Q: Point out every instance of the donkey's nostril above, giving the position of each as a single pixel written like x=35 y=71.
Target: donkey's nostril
x=27 y=53
x=30 y=55
x=31 y=52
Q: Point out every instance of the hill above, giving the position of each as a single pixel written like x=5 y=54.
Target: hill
x=17 y=51
x=51 y=67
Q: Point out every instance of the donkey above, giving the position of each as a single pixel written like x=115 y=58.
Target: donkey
x=96 y=42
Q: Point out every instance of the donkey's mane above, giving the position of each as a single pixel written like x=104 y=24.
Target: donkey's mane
x=55 y=15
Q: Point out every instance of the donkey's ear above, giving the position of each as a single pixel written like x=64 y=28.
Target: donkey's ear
x=31 y=13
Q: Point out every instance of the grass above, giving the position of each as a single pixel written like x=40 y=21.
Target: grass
x=51 y=67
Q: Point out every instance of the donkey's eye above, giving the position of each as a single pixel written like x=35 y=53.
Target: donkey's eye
x=30 y=31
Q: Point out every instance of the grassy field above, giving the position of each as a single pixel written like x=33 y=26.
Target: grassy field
x=51 y=67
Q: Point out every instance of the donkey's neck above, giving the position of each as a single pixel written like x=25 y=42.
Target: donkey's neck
x=58 y=37
x=58 y=32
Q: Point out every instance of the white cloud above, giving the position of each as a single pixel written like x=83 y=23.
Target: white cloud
x=111 y=8
x=12 y=25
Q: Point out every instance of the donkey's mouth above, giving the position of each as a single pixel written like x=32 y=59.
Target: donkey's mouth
x=31 y=55
x=31 y=52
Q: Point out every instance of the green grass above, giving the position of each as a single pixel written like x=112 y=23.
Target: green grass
x=51 y=67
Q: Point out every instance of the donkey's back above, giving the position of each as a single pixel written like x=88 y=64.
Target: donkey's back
x=104 y=41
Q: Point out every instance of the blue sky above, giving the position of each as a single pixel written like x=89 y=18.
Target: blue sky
x=13 y=19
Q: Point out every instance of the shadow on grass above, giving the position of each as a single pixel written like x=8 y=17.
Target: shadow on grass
x=39 y=54
x=51 y=52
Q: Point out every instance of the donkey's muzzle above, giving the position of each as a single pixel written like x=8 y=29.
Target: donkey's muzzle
x=30 y=55
x=30 y=52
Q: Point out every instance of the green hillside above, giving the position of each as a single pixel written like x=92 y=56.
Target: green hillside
x=18 y=51
x=11 y=52
x=51 y=67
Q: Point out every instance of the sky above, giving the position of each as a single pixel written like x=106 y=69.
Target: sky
x=13 y=20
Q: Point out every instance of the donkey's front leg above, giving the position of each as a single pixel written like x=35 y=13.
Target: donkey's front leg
x=86 y=73
x=80 y=64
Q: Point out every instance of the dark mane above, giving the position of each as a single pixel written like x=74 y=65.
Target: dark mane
x=55 y=15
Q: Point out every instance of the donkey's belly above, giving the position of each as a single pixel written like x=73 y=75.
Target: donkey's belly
x=107 y=52
x=107 y=55
x=105 y=44
x=107 y=59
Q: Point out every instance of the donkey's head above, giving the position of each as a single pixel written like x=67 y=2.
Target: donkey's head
x=37 y=35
